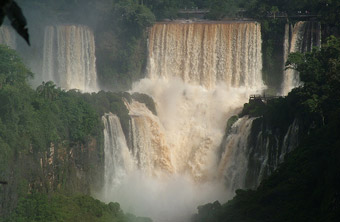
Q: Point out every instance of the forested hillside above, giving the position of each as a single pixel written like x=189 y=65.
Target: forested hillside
x=51 y=146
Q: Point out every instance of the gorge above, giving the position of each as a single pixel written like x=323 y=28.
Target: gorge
x=178 y=149
x=179 y=138
x=199 y=75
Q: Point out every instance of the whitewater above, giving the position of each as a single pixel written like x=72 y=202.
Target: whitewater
x=198 y=75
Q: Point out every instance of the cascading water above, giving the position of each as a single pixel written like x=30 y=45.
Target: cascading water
x=301 y=37
x=207 y=54
x=290 y=140
x=7 y=36
x=148 y=141
x=267 y=147
x=69 y=57
x=233 y=165
x=198 y=76
x=118 y=161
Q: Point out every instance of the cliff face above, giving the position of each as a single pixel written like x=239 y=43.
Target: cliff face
x=253 y=148
x=65 y=168
x=267 y=147
x=257 y=143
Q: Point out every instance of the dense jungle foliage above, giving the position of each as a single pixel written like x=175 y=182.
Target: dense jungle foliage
x=305 y=187
x=58 y=207
x=32 y=122
x=32 y=119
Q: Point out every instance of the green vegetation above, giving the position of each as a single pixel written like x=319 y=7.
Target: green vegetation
x=51 y=140
x=230 y=123
x=47 y=137
x=327 y=10
x=121 y=46
x=32 y=122
x=49 y=111
x=147 y=100
x=306 y=186
x=57 y=207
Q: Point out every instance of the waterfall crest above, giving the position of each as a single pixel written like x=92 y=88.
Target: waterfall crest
x=8 y=36
x=207 y=54
x=69 y=57
x=301 y=37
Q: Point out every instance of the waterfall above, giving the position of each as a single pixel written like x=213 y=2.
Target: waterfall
x=290 y=140
x=148 y=141
x=69 y=57
x=266 y=149
x=198 y=75
x=301 y=37
x=233 y=165
x=7 y=36
x=207 y=54
x=118 y=159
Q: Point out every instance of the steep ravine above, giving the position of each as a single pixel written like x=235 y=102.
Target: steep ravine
x=188 y=103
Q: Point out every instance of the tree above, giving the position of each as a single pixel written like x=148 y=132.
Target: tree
x=12 y=70
x=320 y=72
x=48 y=90
x=274 y=10
x=319 y=66
x=222 y=8
x=134 y=16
